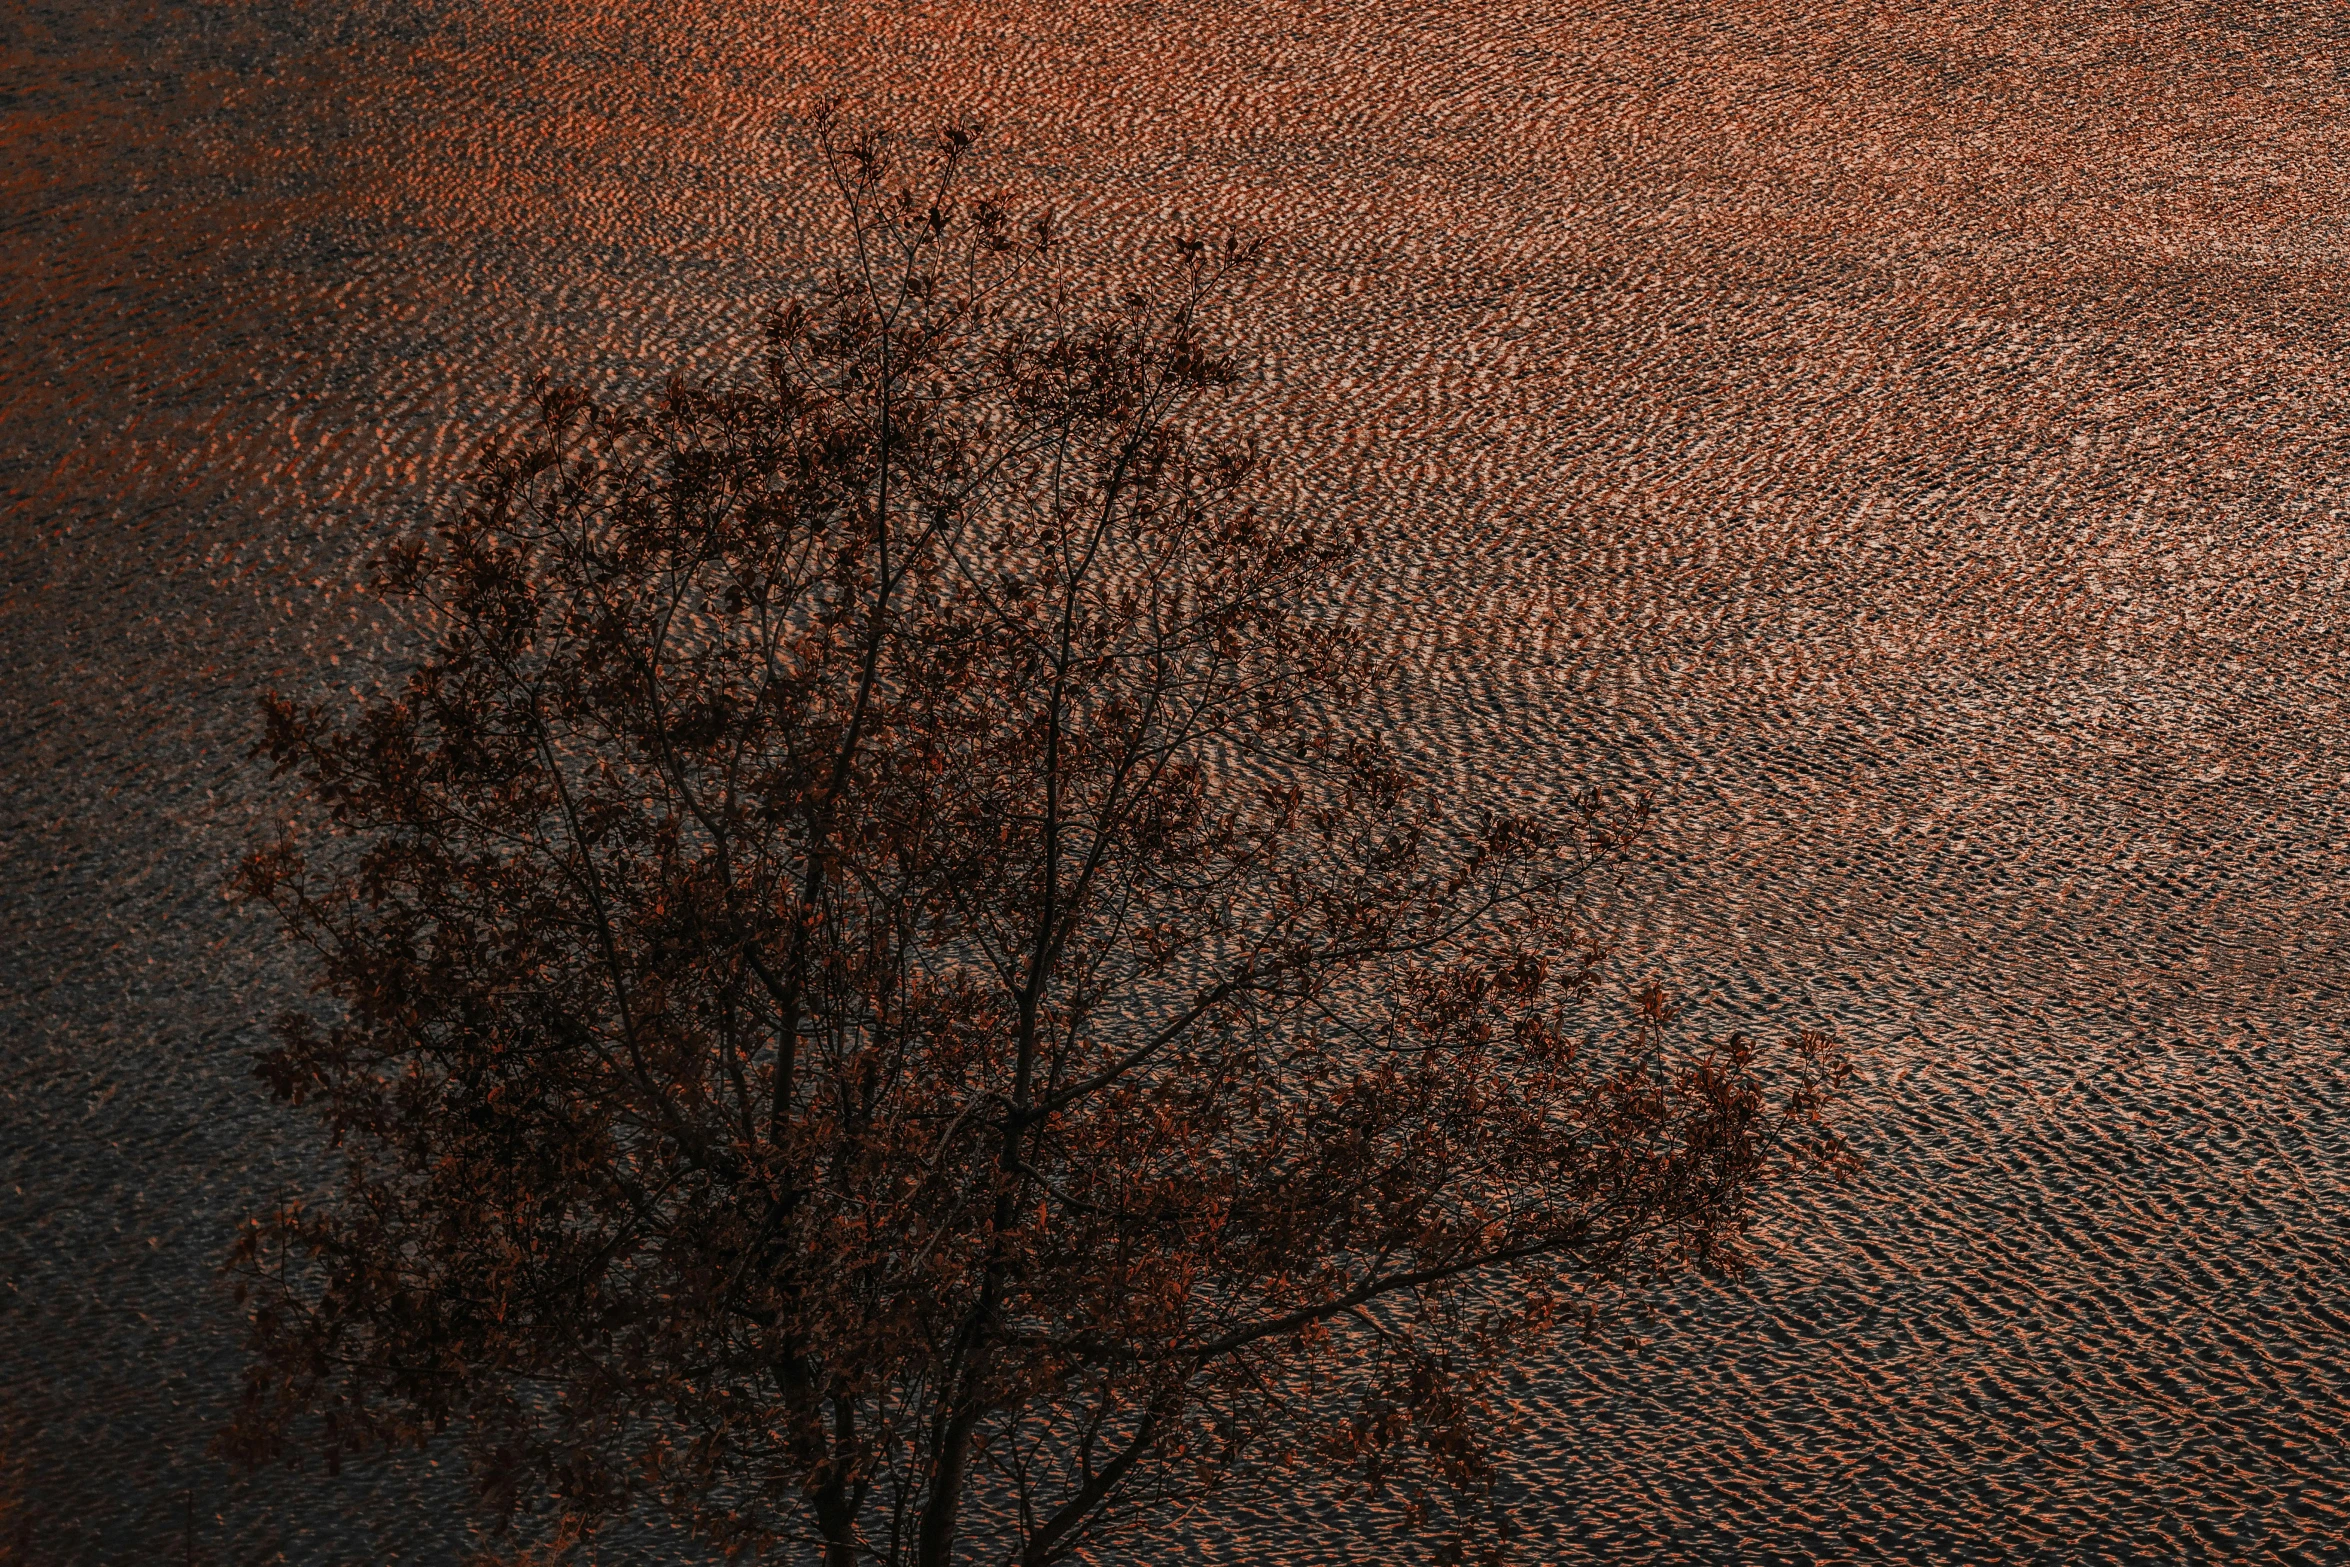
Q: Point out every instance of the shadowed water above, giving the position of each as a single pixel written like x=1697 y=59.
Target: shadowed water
x=1910 y=443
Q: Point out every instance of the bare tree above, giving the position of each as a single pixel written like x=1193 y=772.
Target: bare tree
x=886 y=991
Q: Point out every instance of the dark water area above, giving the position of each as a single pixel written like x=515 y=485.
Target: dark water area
x=1910 y=443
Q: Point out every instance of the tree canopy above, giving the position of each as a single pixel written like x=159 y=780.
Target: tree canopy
x=884 y=988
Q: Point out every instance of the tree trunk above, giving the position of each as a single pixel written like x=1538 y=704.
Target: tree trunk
x=836 y=1520
x=935 y=1546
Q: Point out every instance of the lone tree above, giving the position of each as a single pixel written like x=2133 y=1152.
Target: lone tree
x=885 y=991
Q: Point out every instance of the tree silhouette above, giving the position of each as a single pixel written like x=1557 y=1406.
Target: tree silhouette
x=884 y=989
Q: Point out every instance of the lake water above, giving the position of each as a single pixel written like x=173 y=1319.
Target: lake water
x=1911 y=443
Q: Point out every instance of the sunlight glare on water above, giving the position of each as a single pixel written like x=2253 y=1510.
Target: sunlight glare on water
x=1909 y=443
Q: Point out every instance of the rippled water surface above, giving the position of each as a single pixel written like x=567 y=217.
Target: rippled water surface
x=1909 y=440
